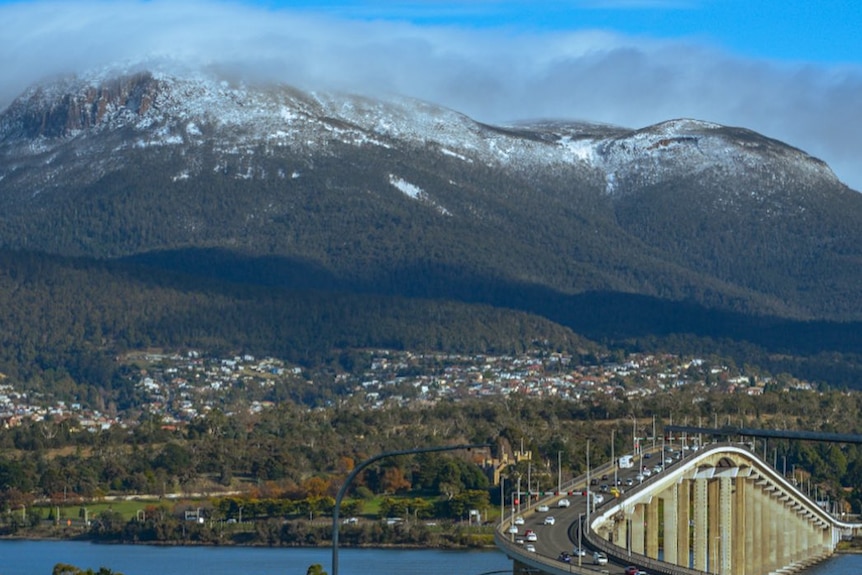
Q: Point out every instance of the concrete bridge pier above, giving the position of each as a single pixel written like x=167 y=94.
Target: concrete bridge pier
x=720 y=512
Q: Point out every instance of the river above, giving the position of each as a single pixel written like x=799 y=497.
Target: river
x=39 y=558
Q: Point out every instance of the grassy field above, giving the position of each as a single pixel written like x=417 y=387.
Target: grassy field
x=126 y=508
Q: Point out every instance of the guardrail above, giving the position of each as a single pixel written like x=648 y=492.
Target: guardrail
x=621 y=555
x=548 y=565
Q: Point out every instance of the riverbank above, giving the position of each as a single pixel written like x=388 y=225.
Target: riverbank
x=365 y=534
x=852 y=546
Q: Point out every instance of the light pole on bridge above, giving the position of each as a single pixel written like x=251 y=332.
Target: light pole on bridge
x=356 y=470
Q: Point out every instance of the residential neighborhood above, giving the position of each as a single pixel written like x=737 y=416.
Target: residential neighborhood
x=178 y=387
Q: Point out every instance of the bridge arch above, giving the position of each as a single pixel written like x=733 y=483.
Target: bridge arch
x=722 y=510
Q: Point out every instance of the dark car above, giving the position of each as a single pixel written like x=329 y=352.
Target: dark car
x=565 y=557
x=632 y=570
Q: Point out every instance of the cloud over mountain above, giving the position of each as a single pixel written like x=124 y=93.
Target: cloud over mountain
x=490 y=74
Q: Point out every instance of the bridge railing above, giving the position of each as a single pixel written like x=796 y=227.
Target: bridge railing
x=624 y=556
x=545 y=564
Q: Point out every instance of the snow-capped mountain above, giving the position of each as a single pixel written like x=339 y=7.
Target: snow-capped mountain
x=406 y=197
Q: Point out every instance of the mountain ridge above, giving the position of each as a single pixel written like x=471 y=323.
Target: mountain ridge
x=151 y=162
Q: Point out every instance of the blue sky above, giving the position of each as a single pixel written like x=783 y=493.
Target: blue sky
x=791 y=30
x=791 y=69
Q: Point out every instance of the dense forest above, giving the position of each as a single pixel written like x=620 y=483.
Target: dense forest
x=65 y=321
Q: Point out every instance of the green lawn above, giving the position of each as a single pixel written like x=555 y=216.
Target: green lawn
x=127 y=509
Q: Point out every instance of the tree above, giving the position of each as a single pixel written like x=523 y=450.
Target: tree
x=393 y=481
x=316 y=569
x=65 y=569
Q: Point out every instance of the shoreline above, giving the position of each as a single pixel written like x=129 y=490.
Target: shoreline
x=342 y=545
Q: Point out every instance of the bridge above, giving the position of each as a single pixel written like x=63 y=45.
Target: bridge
x=719 y=510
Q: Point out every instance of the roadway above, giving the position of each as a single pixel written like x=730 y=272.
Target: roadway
x=562 y=536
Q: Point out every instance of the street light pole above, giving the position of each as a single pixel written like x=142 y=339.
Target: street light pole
x=519 y=494
x=559 y=472
x=580 y=538
x=356 y=470
x=653 y=431
x=589 y=493
x=502 y=500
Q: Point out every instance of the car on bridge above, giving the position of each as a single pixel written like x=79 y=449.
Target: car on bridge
x=600 y=558
x=543 y=508
x=518 y=520
x=564 y=503
x=549 y=520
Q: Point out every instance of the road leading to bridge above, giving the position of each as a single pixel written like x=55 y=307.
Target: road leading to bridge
x=562 y=536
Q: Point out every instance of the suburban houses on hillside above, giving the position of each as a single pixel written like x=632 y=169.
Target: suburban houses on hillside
x=179 y=387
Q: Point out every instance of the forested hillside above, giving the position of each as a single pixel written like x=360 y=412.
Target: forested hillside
x=65 y=320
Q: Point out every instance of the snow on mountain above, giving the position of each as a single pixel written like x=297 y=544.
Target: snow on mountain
x=157 y=109
x=113 y=165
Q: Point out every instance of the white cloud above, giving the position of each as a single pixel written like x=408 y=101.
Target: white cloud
x=490 y=74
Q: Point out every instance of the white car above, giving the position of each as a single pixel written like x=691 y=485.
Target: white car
x=579 y=552
x=564 y=503
x=513 y=529
x=549 y=520
x=530 y=547
x=600 y=558
x=646 y=472
x=543 y=509
x=531 y=536
x=598 y=498
x=518 y=520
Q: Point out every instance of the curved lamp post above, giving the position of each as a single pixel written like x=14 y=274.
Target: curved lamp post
x=366 y=463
